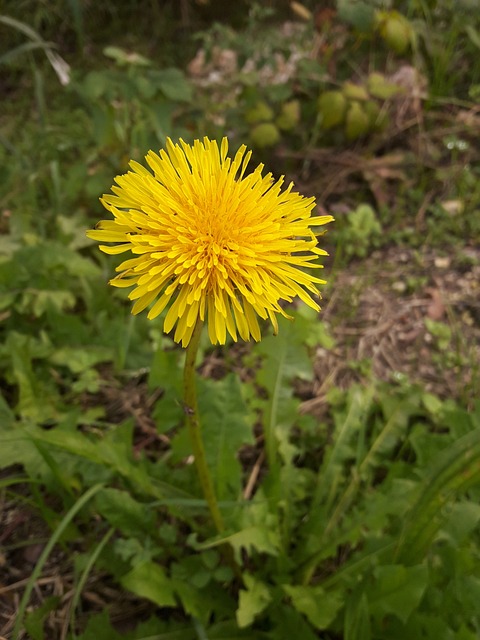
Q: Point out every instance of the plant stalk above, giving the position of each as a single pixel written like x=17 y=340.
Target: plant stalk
x=194 y=428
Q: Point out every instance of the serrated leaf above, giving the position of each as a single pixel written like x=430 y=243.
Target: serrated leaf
x=202 y=602
x=114 y=456
x=397 y=590
x=258 y=538
x=125 y=513
x=252 y=600
x=35 y=399
x=318 y=605
x=99 y=628
x=225 y=428
x=148 y=580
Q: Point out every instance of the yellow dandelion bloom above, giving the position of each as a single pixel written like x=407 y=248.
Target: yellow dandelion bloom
x=210 y=242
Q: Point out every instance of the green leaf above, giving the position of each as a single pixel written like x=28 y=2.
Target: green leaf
x=53 y=540
x=110 y=454
x=7 y=417
x=34 y=620
x=357 y=617
x=358 y=13
x=454 y=470
x=464 y=633
x=252 y=600
x=148 y=580
x=125 y=513
x=463 y=520
x=225 y=429
x=100 y=628
x=34 y=400
x=78 y=360
x=261 y=539
x=166 y=374
x=318 y=605
x=203 y=603
x=290 y=624
x=284 y=358
x=174 y=84
x=397 y=590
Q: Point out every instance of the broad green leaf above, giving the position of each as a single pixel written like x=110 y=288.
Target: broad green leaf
x=464 y=633
x=100 y=628
x=116 y=457
x=173 y=83
x=462 y=521
x=160 y=115
x=358 y=13
x=125 y=513
x=36 y=401
x=453 y=471
x=148 y=580
x=225 y=429
x=58 y=300
x=291 y=624
x=213 y=599
x=318 y=605
x=252 y=600
x=166 y=374
x=426 y=627
x=80 y=359
x=397 y=590
x=357 y=617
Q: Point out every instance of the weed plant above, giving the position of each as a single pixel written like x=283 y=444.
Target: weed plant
x=360 y=522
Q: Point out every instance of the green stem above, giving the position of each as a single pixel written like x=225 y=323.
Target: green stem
x=194 y=428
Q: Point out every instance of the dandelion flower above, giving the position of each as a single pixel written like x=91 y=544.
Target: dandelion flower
x=210 y=242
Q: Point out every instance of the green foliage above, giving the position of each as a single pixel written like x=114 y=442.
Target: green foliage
x=362 y=524
x=390 y=485
x=132 y=108
x=361 y=231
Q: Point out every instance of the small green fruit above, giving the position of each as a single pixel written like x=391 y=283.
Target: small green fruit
x=261 y=112
x=331 y=107
x=380 y=87
x=289 y=116
x=354 y=91
x=396 y=30
x=265 y=134
x=357 y=121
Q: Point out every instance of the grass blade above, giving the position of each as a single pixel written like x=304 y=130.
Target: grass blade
x=80 y=503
